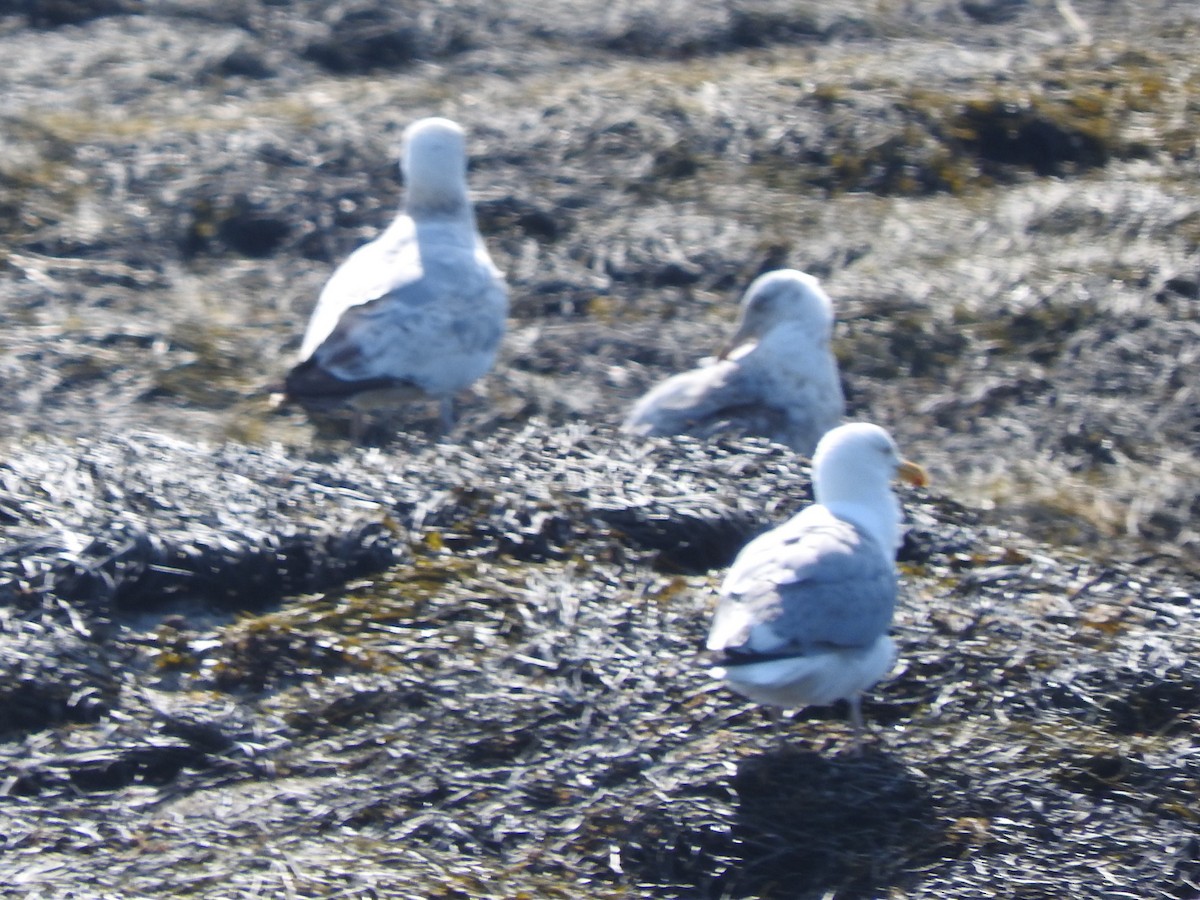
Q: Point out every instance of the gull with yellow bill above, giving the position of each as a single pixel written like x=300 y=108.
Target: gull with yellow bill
x=805 y=608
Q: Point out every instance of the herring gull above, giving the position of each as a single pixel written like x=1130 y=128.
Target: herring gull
x=418 y=312
x=805 y=608
x=777 y=376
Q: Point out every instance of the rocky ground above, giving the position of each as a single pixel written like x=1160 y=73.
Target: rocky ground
x=239 y=657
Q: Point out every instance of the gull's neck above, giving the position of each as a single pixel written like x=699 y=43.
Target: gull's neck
x=445 y=200
x=869 y=505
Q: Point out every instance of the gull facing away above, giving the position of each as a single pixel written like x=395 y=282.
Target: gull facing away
x=777 y=376
x=418 y=312
x=805 y=608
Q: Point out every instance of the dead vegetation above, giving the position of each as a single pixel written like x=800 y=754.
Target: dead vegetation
x=519 y=704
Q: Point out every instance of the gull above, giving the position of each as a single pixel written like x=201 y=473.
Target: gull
x=417 y=313
x=805 y=608
x=776 y=377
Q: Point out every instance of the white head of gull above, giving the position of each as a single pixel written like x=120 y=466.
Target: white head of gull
x=805 y=608
x=776 y=377
x=420 y=311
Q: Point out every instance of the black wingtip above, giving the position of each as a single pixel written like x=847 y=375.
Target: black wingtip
x=310 y=382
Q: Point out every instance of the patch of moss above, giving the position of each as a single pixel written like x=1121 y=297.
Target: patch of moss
x=204 y=367
x=1073 y=114
x=1041 y=332
x=1048 y=138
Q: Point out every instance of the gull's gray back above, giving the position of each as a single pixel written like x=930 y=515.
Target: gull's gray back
x=806 y=586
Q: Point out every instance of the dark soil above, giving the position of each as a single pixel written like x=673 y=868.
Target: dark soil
x=240 y=657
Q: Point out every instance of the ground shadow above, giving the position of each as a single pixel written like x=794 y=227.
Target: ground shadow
x=815 y=825
x=801 y=824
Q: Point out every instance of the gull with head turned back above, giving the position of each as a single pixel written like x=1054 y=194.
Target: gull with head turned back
x=776 y=377
x=417 y=313
x=805 y=608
